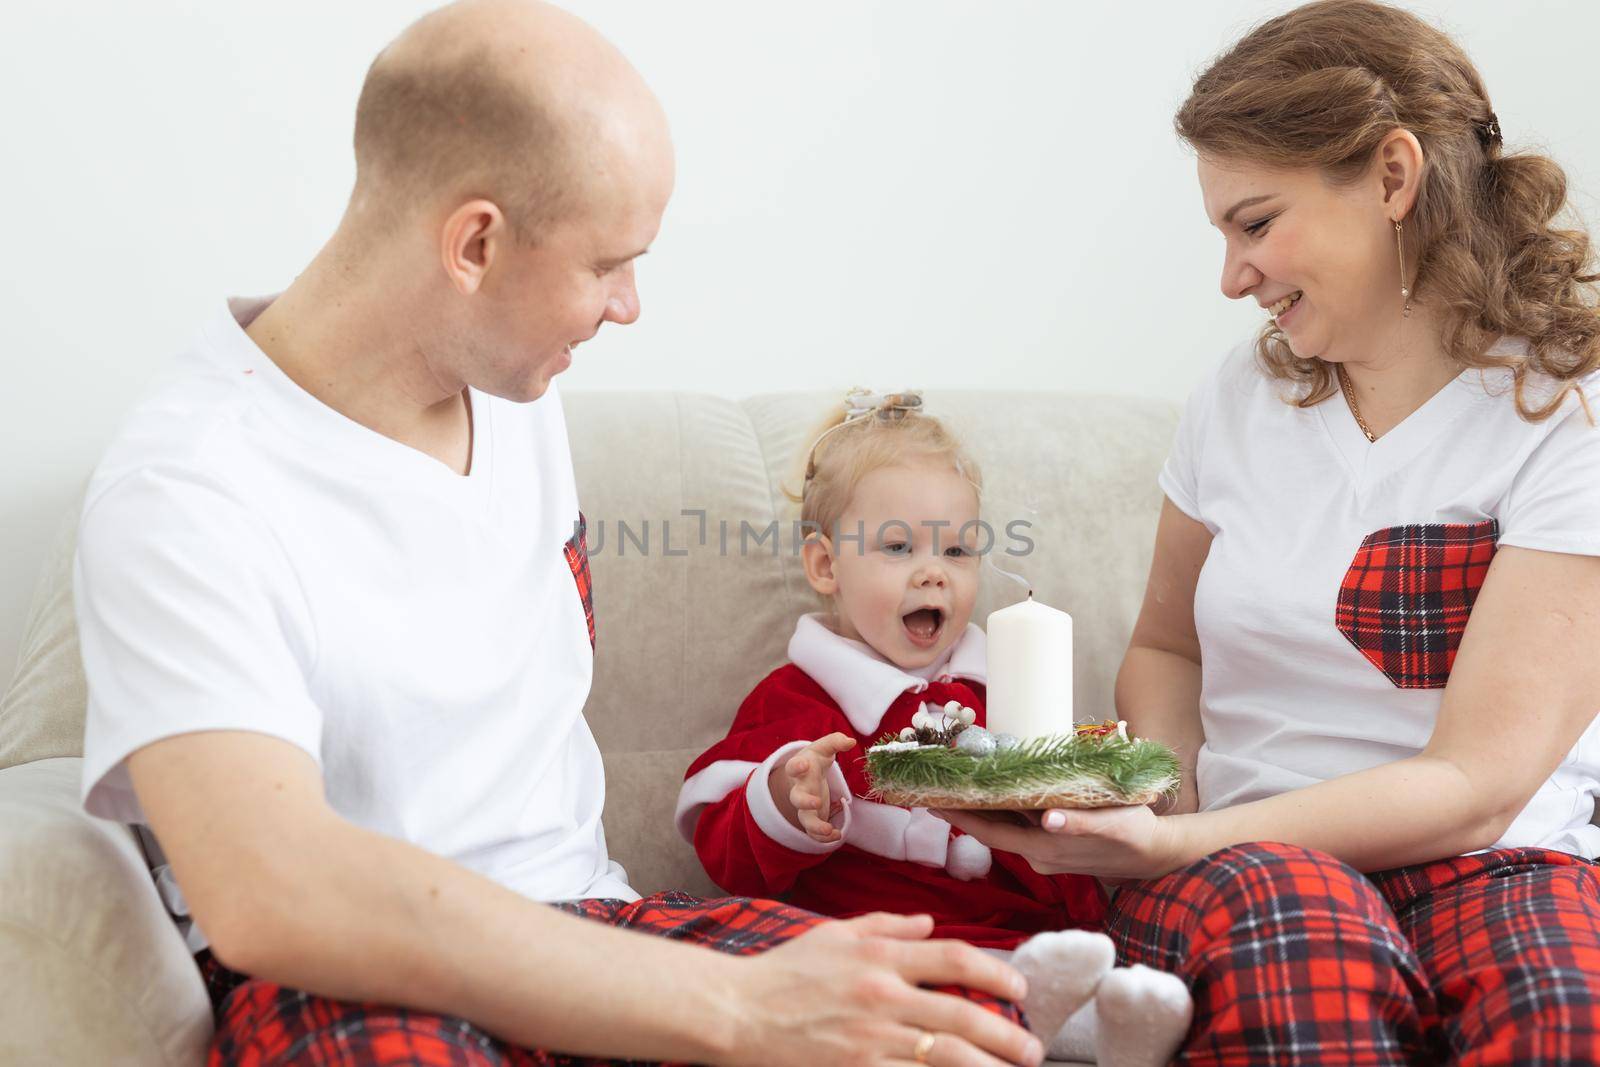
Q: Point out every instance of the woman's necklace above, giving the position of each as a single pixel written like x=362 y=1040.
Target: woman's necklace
x=1355 y=409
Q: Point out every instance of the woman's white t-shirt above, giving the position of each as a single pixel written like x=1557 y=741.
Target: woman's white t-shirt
x=250 y=559
x=1341 y=573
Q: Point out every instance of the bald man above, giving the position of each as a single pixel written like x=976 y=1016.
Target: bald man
x=336 y=627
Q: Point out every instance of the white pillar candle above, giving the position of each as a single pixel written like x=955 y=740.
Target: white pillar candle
x=1030 y=670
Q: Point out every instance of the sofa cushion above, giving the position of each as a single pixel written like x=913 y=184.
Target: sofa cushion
x=41 y=712
x=107 y=979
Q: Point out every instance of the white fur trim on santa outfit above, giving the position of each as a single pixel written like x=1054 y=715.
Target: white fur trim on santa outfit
x=863 y=683
x=710 y=785
x=970 y=859
x=898 y=833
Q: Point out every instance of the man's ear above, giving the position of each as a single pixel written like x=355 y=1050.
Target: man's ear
x=471 y=238
x=816 y=555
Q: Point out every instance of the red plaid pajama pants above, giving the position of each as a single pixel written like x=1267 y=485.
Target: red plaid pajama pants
x=1296 y=958
x=260 y=1023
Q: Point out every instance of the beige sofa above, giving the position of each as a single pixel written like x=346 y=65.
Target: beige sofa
x=91 y=972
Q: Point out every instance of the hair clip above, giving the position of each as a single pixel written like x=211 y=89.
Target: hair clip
x=1489 y=131
x=860 y=404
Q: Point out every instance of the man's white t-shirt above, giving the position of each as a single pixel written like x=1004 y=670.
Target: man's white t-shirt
x=250 y=559
x=1341 y=573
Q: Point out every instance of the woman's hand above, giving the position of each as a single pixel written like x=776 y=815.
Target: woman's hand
x=1112 y=843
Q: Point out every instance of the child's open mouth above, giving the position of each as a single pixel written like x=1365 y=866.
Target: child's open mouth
x=923 y=626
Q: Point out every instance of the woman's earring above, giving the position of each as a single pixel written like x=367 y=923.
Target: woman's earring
x=1399 y=245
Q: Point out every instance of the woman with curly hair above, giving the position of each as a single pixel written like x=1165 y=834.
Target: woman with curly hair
x=1372 y=625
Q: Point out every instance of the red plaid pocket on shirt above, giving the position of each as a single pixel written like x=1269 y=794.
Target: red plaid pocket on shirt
x=1405 y=600
x=577 y=553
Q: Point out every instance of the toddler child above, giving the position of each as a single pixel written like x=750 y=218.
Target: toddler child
x=893 y=502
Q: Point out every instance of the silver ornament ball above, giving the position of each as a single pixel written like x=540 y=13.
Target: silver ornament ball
x=975 y=741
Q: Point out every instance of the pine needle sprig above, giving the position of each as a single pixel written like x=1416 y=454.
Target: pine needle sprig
x=1037 y=766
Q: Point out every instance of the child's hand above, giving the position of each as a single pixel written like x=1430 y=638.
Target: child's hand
x=807 y=786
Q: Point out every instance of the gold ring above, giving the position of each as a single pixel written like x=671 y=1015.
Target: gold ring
x=924 y=1047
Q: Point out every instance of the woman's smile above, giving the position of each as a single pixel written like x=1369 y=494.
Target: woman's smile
x=1284 y=310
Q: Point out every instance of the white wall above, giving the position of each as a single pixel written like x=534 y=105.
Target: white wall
x=920 y=192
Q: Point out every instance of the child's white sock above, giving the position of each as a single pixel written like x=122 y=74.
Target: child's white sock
x=1062 y=968
x=1143 y=1017
x=1076 y=1040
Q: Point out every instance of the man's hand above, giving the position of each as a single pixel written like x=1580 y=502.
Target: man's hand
x=803 y=783
x=848 y=992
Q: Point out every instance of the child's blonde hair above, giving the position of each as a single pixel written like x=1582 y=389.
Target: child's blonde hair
x=848 y=446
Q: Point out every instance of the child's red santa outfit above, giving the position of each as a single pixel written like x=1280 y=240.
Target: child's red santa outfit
x=888 y=858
